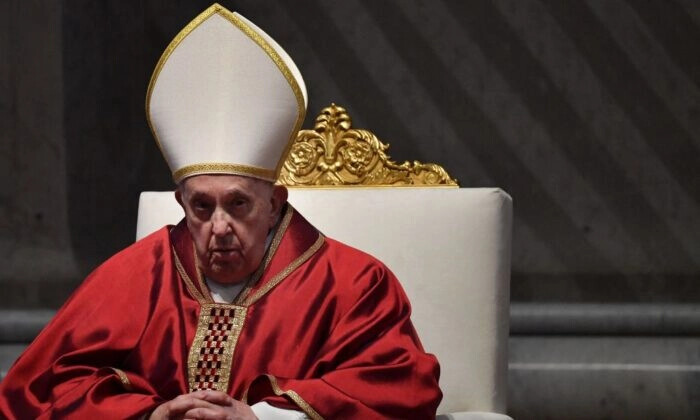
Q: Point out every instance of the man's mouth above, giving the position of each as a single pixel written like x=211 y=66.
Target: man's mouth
x=225 y=253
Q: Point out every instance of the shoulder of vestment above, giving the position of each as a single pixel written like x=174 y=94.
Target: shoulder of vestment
x=356 y=269
x=139 y=258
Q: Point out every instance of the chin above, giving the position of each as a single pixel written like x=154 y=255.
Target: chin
x=225 y=275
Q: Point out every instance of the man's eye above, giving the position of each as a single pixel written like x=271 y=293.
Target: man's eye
x=238 y=205
x=200 y=205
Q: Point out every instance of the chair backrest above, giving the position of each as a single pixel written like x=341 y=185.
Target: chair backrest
x=449 y=247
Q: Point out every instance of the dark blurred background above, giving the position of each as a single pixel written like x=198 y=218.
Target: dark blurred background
x=586 y=112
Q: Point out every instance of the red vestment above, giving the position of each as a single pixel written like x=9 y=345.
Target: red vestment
x=325 y=330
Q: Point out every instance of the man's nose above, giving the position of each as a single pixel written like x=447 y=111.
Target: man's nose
x=220 y=224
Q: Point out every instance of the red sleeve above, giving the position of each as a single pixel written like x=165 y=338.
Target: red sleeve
x=374 y=364
x=71 y=368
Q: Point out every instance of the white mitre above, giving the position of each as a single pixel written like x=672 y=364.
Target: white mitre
x=225 y=98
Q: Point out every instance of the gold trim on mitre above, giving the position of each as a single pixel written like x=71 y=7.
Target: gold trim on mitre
x=223 y=168
x=217 y=167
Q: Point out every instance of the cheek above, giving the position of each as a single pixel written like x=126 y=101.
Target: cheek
x=244 y=234
x=201 y=234
x=252 y=236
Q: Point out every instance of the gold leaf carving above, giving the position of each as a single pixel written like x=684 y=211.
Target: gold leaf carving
x=333 y=153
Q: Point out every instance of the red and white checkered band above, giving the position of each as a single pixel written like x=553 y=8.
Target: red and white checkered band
x=212 y=350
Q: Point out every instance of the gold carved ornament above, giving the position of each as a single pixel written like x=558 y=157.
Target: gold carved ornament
x=334 y=154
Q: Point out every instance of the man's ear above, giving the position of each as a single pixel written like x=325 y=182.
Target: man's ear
x=277 y=200
x=178 y=197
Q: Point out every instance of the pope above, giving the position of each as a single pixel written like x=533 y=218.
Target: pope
x=243 y=309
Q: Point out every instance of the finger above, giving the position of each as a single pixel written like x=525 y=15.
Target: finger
x=217 y=397
x=205 y=414
x=182 y=404
x=201 y=393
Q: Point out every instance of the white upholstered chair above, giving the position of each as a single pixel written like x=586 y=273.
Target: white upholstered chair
x=450 y=249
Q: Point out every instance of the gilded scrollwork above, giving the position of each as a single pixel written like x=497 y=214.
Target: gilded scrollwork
x=333 y=153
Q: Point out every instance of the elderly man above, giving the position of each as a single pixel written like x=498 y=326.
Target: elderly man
x=243 y=309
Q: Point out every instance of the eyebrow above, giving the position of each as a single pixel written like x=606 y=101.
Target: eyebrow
x=233 y=192
x=198 y=194
x=236 y=192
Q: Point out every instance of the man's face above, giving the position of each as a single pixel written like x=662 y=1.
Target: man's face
x=229 y=217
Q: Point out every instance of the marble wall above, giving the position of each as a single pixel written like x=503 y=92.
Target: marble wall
x=35 y=236
x=587 y=113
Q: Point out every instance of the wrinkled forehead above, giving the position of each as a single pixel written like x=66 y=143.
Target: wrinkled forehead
x=224 y=183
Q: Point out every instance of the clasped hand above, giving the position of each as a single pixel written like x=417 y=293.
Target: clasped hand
x=203 y=405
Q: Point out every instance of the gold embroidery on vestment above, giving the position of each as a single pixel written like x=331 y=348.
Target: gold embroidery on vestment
x=126 y=383
x=188 y=282
x=298 y=400
x=287 y=271
x=276 y=240
x=200 y=279
x=211 y=354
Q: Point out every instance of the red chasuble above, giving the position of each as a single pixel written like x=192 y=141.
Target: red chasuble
x=322 y=328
